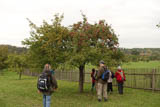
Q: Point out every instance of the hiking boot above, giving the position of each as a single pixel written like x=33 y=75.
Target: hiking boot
x=99 y=100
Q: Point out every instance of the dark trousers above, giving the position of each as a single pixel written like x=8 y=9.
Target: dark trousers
x=93 y=85
x=120 y=87
x=109 y=88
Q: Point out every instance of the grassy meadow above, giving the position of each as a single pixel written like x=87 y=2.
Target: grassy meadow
x=142 y=64
x=139 y=65
x=23 y=93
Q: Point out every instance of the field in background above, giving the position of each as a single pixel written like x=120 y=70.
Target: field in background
x=23 y=93
x=141 y=64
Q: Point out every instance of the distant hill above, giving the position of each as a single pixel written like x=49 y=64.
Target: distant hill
x=142 y=53
x=147 y=53
x=15 y=49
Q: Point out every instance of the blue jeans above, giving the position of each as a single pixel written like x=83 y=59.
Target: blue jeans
x=46 y=101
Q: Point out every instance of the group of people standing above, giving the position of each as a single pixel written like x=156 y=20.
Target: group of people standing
x=47 y=83
x=103 y=87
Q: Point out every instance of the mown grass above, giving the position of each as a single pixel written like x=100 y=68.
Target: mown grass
x=23 y=93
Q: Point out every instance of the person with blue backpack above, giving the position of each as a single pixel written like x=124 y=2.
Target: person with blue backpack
x=102 y=78
x=46 y=84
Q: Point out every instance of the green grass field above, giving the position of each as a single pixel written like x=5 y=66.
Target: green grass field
x=23 y=93
x=141 y=64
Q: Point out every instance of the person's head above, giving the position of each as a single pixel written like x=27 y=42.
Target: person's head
x=119 y=67
x=93 y=70
x=47 y=67
x=101 y=63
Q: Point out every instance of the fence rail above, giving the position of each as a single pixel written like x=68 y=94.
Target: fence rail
x=135 y=78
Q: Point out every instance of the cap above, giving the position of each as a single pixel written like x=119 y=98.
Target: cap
x=101 y=62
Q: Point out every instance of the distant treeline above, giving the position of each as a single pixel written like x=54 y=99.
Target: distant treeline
x=13 y=49
x=141 y=54
x=18 y=50
x=6 y=51
x=131 y=55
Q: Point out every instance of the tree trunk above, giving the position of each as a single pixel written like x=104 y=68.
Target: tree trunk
x=20 y=74
x=81 y=77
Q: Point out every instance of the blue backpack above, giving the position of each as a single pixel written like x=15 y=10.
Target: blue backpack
x=105 y=75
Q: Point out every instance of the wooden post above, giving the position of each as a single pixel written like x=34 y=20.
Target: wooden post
x=66 y=78
x=70 y=75
x=61 y=75
x=153 y=79
x=84 y=75
x=135 y=78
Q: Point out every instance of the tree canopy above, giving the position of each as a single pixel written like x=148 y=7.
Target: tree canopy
x=76 y=45
x=17 y=63
x=3 y=56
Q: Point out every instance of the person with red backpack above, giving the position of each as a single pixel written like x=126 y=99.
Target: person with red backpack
x=46 y=85
x=120 y=76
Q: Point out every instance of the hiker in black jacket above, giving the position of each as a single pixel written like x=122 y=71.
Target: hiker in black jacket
x=52 y=86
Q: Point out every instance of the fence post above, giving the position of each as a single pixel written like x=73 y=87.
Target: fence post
x=61 y=75
x=153 y=79
x=70 y=75
x=135 y=78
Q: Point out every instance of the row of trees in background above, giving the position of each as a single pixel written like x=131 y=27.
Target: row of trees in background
x=16 y=58
x=13 y=58
x=141 y=54
x=131 y=55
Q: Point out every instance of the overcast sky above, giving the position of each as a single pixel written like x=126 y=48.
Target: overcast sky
x=133 y=20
